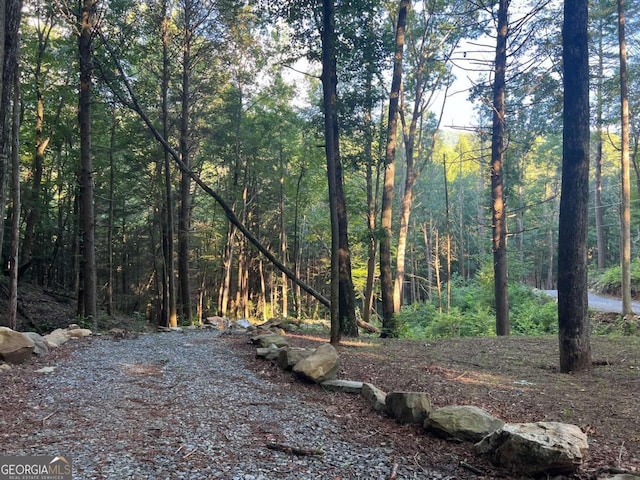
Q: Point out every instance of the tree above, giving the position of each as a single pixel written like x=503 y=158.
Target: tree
x=87 y=299
x=170 y=310
x=625 y=207
x=435 y=34
x=329 y=85
x=389 y=323
x=573 y=315
x=498 y=213
x=15 y=188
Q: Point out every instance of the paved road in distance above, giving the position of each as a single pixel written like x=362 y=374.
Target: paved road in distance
x=602 y=303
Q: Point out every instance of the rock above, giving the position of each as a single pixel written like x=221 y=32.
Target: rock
x=289 y=356
x=242 y=323
x=408 y=407
x=14 y=346
x=347 y=386
x=216 y=321
x=46 y=370
x=5 y=367
x=375 y=396
x=462 y=422
x=270 y=353
x=73 y=326
x=41 y=345
x=57 y=337
x=536 y=448
x=80 y=333
x=321 y=365
x=264 y=341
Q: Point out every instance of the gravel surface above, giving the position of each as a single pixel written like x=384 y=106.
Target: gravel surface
x=184 y=406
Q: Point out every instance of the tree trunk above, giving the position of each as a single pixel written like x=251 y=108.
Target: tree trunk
x=111 y=215
x=86 y=211
x=372 y=187
x=389 y=323
x=346 y=295
x=447 y=223
x=11 y=10
x=184 y=221
x=171 y=319
x=573 y=315
x=625 y=208
x=283 y=238
x=41 y=143
x=497 y=188
x=342 y=295
x=15 y=191
x=599 y=211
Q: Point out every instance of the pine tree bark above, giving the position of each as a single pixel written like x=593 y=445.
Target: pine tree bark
x=11 y=10
x=86 y=207
x=573 y=315
x=389 y=323
x=499 y=224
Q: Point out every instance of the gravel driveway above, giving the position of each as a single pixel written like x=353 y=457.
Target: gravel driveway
x=182 y=406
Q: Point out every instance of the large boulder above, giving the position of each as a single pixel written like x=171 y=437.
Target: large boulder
x=270 y=353
x=80 y=332
x=376 y=397
x=536 y=448
x=289 y=356
x=265 y=341
x=14 y=346
x=321 y=365
x=57 y=337
x=408 y=407
x=41 y=345
x=462 y=422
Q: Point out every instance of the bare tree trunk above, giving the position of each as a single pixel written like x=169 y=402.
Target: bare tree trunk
x=625 y=208
x=263 y=291
x=389 y=323
x=436 y=267
x=184 y=221
x=87 y=217
x=573 y=315
x=599 y=211
x=171 y=319
x=111 y=217
x=41 y=143
x=344 y=311
x=497 y=189
x=225 y=287
x=448 y=231
x=15 y=191
x=283 y=239
x=11 y=13
x=373 y=187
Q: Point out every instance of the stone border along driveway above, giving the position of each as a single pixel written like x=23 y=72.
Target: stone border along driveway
x=183 y=406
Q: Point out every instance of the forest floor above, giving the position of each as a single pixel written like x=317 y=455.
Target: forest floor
x=514 y=378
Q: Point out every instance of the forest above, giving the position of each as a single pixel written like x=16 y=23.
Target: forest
x=179 y=159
